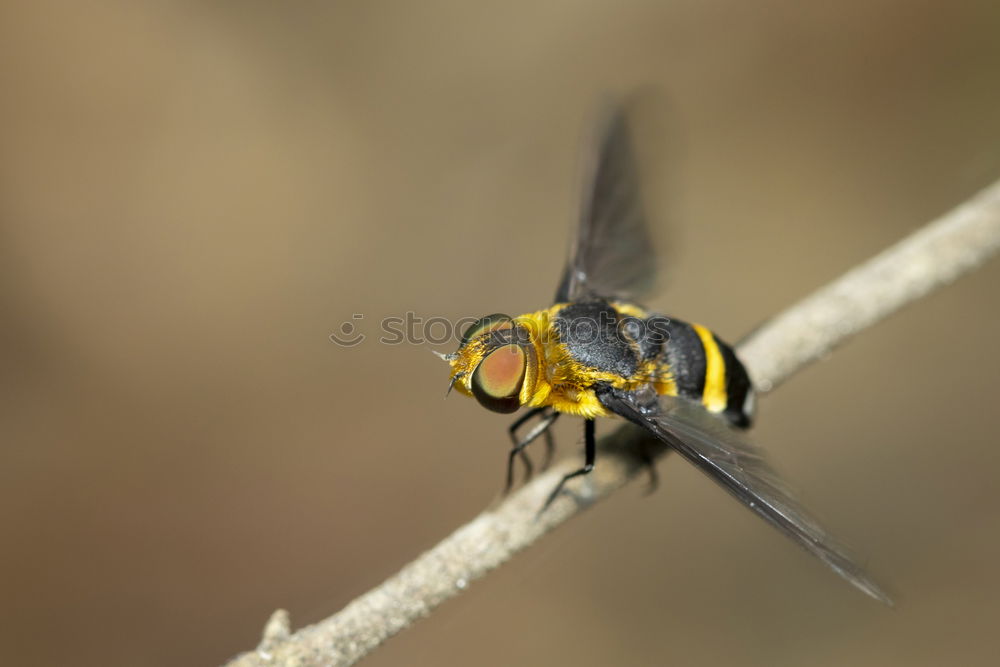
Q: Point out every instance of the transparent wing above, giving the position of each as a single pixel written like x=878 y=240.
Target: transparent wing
x=612 y=255
x=740 y=467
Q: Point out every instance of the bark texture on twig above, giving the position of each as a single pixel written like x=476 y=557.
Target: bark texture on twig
x=937 y=254
x=927 y=259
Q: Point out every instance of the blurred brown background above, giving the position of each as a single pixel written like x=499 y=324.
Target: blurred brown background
x=194 y=195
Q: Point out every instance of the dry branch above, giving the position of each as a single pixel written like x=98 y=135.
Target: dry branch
x=937 y=254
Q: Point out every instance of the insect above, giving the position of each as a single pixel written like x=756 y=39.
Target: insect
x=596 y=353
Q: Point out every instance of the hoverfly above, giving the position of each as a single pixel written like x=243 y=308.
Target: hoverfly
x=596 y=353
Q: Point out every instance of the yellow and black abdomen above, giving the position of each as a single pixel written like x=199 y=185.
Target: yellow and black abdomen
x=620 y=343
x=706 y=369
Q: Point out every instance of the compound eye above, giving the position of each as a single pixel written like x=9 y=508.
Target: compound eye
x=497 y=380
x=484 y=324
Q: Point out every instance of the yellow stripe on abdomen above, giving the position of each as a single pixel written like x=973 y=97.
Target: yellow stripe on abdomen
x=714 y=396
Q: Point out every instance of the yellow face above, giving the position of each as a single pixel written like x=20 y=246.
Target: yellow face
x=497 y=363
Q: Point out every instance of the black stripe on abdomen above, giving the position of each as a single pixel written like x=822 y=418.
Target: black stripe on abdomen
x=686 y=356
x=738 y=388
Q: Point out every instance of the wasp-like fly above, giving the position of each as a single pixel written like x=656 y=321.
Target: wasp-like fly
x=596 y=353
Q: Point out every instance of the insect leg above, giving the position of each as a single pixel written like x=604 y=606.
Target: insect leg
x=648 y=460
x=589 y=454
x=550 y=449
x=520 y=443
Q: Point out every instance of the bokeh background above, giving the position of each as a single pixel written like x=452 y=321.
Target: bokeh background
x=194 y=195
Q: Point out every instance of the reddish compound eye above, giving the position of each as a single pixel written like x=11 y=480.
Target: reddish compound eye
x=496 y=382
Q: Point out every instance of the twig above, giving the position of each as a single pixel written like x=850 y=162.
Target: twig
x=937 y=254
x=932 y=257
